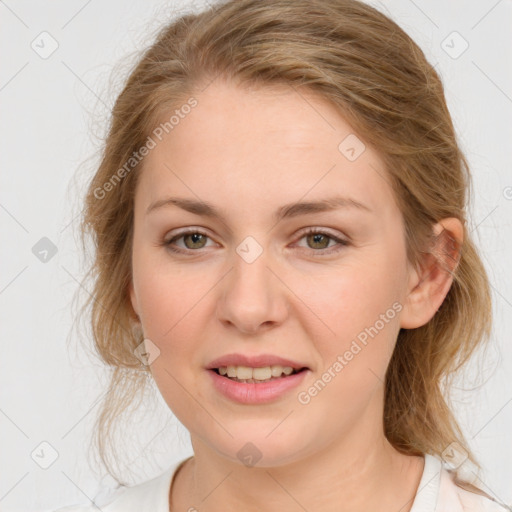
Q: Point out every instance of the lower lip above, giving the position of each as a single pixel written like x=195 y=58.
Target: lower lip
x=252 y=393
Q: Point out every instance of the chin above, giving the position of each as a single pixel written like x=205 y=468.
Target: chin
x=255 y=447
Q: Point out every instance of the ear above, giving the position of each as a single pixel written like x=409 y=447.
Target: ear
x=428 y=287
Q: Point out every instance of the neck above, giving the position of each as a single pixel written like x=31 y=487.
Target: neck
x=355 y=476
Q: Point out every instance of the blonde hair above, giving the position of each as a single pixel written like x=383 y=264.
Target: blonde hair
x=379 y=80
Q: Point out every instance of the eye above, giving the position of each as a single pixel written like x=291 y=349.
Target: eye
x=318 y=240
x=193 y=239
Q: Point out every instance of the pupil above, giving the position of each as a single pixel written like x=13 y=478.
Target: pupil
x=317 y=237
x=195 y=237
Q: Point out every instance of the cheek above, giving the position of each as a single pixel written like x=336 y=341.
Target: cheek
x=359 y=313
x=171 y=304
x=167 y=294
x=360 y=307
x=169 y=300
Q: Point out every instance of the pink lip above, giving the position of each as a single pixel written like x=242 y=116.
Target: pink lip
x=256 y=393
x=258 y=361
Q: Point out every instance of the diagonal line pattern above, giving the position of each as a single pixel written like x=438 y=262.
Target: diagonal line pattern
x=492 y=81
x=70 y=222
x=488 y=215
x=76 y=14
x=14 y=486
x=14 y=76
x=217 y=486
x=281 y=422
x=498 y=499
x=424 y=13
x=91 y=295
x=13 y=279
x=80 y=80
x=89 y=410
x=148 y=443
x=494 y=416
x=486 y=14
x=286 y=491
x=78 y=487
x=14 y=218
x=14 y=423
x=13 y=13
x=376 y=375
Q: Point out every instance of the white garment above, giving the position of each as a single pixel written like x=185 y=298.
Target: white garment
x=436 y=492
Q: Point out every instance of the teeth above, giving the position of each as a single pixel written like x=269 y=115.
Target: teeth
x=261 y=374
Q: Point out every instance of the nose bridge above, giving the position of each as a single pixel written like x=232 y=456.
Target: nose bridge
x=251 y=294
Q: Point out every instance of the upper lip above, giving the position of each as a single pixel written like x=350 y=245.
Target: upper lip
x=254 y=361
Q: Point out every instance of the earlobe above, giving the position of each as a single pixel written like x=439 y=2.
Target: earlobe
x=431 y=283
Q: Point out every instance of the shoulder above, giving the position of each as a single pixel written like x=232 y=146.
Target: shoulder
x=102 y=500
x=459 y=495
x=122 y=499
x=149 y=495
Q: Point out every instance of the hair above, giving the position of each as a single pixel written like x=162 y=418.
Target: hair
x=379 y=80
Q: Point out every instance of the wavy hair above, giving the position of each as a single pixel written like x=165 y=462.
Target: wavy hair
x=379 y=80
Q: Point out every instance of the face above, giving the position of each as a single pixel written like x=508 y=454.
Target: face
x=251 y=283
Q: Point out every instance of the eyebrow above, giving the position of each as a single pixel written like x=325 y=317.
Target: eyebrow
x=287 y=211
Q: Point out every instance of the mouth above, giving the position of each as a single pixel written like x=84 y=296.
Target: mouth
x=256 y=375
x=257 y=385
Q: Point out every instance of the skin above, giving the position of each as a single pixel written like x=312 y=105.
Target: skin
x=290 y=302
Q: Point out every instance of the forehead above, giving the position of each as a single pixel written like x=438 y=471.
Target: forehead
x=262 y=146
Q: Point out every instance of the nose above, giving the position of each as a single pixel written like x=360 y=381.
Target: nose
x=253 y=295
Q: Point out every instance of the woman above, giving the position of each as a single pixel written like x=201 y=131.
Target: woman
x=281 y=237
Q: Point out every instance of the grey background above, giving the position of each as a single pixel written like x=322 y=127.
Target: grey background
x=53 y=110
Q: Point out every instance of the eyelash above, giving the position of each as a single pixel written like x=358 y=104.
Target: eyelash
x=310 y=231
